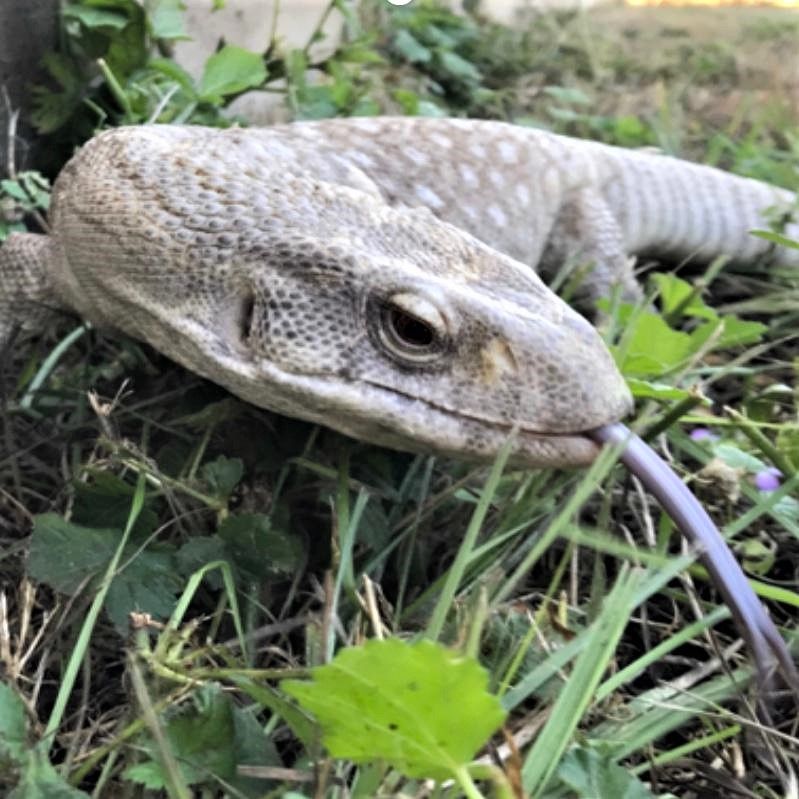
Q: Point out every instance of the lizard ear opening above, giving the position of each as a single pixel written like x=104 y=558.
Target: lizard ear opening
x=245 y=317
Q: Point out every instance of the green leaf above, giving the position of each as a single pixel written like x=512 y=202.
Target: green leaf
x=223 y=475
x=176 y=72
x=39 y=780
x=630 y=131
x=197 y=552
x=653 y=348
x=53 y=109
x=568 y=94
x=422 y=708
x=734 y=332
x=644 y=389
x=166 y=19
x=148 y=584
x=105 y=503
x=594 y=776
x=788 y=443
x=410 y=48
x=200 y=736
x=737 y=458
x=13 y=189
x=257 y=549
x=358 y=53
x=677 y=294
x=129 y=48
x=252 y=747
x=457 y=66
x=64 y=554
x=428 y=108
x=230 y=71
x=13 y=728
x=93 y=18
x=149 y=774
x=274 y=700
x=776 y=238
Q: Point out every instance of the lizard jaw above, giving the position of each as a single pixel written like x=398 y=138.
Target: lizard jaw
x=385 y=416
x=485 y=436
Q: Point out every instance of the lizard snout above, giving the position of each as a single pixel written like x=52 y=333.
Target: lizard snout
x=552 y=374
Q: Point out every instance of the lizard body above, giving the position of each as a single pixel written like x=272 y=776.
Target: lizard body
x=377 y=275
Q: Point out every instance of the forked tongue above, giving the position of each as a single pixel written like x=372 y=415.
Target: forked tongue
x=769 y=651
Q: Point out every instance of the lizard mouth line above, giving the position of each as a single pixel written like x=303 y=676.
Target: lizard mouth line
x=498 y=425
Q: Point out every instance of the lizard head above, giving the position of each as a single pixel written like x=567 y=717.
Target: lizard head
x=316 y=298
x=395 y=351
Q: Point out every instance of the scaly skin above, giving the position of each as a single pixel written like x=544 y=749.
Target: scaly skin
x=281 y=263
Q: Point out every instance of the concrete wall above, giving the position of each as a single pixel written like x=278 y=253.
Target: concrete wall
x=249 y=22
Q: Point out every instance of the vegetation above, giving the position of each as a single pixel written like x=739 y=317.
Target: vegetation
x=203 y=599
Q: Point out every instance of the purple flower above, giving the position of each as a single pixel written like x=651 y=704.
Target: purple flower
x=768 y=479
x=703 y=434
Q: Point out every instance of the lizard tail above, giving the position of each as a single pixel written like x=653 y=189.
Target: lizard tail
x=27 y=296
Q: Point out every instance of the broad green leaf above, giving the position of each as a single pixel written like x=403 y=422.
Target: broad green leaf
x=230 y=71
x=223 y=475
x=735 y=332
x=274 y=700
x=252 y=747
x=13 y=189
x=630 y=131
x=149 y=774
x=39 y=780
x=148 y=584
x=594 y=776
x=92 y=18
x=257 y=549
x=105 y=501
x=737 y=458
x=676 y=293
x=199 y=550
x=359 y=53
x=13 y=727
x=788 y=509
x=422 y=708
x=166 y=19
x=457 y=66
x=411 y=48
x=653 y=348
x=129 y=48
x=63 y=555
x=427 y=108
x=52 y=109
x=200 y=735
x=176 y=73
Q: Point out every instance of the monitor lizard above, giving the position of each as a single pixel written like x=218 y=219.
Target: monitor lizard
x=377 y=275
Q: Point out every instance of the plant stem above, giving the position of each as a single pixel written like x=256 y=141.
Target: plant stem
x=464 y=779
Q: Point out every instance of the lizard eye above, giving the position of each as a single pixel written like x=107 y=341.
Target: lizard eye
x=411 y=328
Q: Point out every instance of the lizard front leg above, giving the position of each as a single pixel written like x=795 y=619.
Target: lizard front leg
x=28 y=296
x=586 y=233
